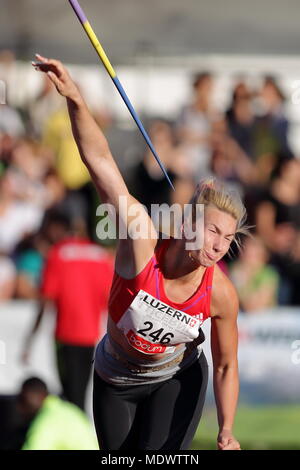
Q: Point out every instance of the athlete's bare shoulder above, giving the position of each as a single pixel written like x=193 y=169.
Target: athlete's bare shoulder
x=224 y=300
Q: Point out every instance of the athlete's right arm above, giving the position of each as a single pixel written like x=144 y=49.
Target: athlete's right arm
x=96 y=155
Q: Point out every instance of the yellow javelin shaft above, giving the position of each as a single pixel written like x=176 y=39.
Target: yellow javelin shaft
x=99 y=49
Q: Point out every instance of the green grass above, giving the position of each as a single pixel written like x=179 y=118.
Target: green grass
x=256 y=428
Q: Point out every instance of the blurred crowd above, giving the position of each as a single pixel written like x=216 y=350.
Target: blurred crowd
x=247 y=146
x=45 y=187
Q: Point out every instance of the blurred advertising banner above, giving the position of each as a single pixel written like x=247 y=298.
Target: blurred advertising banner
x=16 y=320
x=269 y=356
x=269 y=353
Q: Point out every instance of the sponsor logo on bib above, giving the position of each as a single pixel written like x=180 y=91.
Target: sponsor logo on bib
x=152 y=326
x=141 y=344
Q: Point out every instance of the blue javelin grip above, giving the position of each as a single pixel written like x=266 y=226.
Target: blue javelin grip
x=140 y=126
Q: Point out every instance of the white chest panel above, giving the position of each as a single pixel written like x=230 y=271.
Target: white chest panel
x=152 y=326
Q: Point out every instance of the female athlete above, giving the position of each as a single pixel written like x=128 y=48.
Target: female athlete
x=150 y=373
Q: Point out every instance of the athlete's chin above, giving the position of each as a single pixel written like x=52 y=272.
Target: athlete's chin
x=207 y=263
x=207 y=260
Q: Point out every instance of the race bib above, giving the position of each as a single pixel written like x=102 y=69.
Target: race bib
x=152 y=326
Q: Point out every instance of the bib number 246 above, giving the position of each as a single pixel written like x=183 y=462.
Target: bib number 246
x=157 y=335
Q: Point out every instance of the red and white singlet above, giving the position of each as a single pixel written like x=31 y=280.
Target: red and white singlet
x=150 y=321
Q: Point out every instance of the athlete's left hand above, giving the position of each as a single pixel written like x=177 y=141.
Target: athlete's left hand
x=226 y=441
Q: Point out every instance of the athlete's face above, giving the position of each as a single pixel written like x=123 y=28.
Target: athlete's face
x=219 y=231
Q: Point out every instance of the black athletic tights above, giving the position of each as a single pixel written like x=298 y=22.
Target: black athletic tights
x=161 y=416
x=74 y=367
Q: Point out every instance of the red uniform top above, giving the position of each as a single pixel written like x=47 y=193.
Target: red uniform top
x=77 y=277
x=148 y=288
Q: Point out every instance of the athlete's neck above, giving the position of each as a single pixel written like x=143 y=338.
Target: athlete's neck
x=176 y=262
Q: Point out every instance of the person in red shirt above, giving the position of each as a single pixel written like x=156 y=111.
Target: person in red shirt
x=76 y=277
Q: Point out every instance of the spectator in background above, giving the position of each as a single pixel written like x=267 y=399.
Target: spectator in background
x=194 y=127
x=10 y=120
x=30 y=256
x=45 y=104
x=53 y=424
x=76 y=278
x=294 y=271
x=8 y=276
x=7 y=143
x=31 y=253
x=278 y=222
x=57 y=136
x=274 y=101
x=11 y=123
x=240 y=118
x=27 y=169
x=229 y=162
x=278 y=213
x=149 y=184
x=256 y=282
x=17 y=218
x=273 y=126
x=59 y=199
x=253 y=135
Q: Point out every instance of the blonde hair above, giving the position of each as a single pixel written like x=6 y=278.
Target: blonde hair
x=213 y=192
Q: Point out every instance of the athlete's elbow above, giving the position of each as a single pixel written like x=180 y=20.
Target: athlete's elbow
x=96 y=160
x=226 y=367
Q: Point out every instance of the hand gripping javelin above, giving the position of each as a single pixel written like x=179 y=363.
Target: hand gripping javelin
x=101 y=53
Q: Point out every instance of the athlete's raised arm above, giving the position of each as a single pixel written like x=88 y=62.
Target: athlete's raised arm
x=96 y=155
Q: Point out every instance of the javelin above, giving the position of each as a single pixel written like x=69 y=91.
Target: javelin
x=101 y=53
